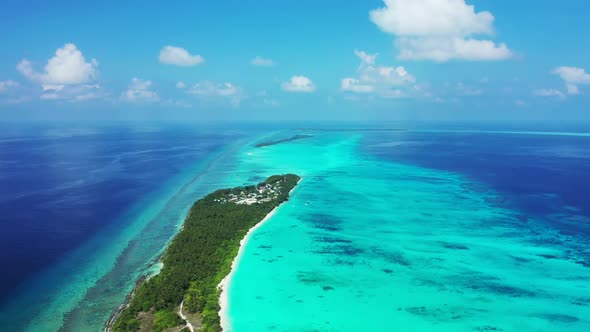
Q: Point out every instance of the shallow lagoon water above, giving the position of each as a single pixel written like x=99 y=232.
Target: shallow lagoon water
x=372 y=245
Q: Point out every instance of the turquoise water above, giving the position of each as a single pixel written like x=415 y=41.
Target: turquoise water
x=372 y=245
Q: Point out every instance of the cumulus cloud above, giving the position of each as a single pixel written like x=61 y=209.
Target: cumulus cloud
x=439 y=30
x=66 y=76
x=25 y=67
x=572 y=76
x=180 y=85
x=67 y=67
x=262 y=62
x=368 y=59
x=265 y=99
x=355 y=85
x=208 y=88
x=431 y=17
x=217 y=91
x=178 y=56
x=298 y=83
x=7 y=85
x=373 y=78
x=442 y=49
x=140 y=91
x=79 y=92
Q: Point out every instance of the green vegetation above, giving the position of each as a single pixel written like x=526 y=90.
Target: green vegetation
x=164 y=319
x=200 y=256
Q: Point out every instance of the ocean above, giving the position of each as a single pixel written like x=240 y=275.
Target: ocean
x=86 y=211
x=389 y=230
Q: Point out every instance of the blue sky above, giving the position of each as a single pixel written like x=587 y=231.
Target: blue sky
x=447 y=60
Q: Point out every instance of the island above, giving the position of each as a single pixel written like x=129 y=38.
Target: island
x=284 y=140
x=184 y=296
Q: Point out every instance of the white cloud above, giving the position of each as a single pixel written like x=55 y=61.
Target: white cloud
x=66 y=76
x=67 y=67
x=212 y=90
x=549 y=93
x=140 y=91
x=572 y=89
x=72 y=93
x=572 y=76
x=25 y=67
x=178 y=56
x=298 y=83
x=262 y=62
x=176 y=103
x=354 y=85
x=432 y=17
x=373 y=78
x=180 y=85
x=266 y=99
x=439 y=30
x=367 y=59
x=443 y=49
x=7 y=85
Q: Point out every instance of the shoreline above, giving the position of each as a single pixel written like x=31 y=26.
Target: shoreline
x=129 y=297
x=226 y=281
x=124 y=305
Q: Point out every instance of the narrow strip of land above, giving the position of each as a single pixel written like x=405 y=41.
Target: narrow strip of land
x=283 y=140
x=185 y=294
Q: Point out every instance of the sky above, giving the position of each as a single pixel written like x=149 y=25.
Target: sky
x=273 y=61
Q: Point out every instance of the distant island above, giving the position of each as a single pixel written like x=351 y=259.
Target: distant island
x=284 y=140
x=185 y=294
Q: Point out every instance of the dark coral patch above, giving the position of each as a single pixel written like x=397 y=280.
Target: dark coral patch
x=454 y=246
x=331 y=239
x=324 y=222
x=487 y=328
x=560 y=318
x=340 y=249
x=310 y=277
x=582 y=301
x=391 y=257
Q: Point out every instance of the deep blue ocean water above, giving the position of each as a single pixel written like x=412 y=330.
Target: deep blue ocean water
x=541 y=175
x=60 y=186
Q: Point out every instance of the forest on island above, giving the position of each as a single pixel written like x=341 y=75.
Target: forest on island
x=198 y=258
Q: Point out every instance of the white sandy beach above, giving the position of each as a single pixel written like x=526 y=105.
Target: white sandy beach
x=225 y=282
